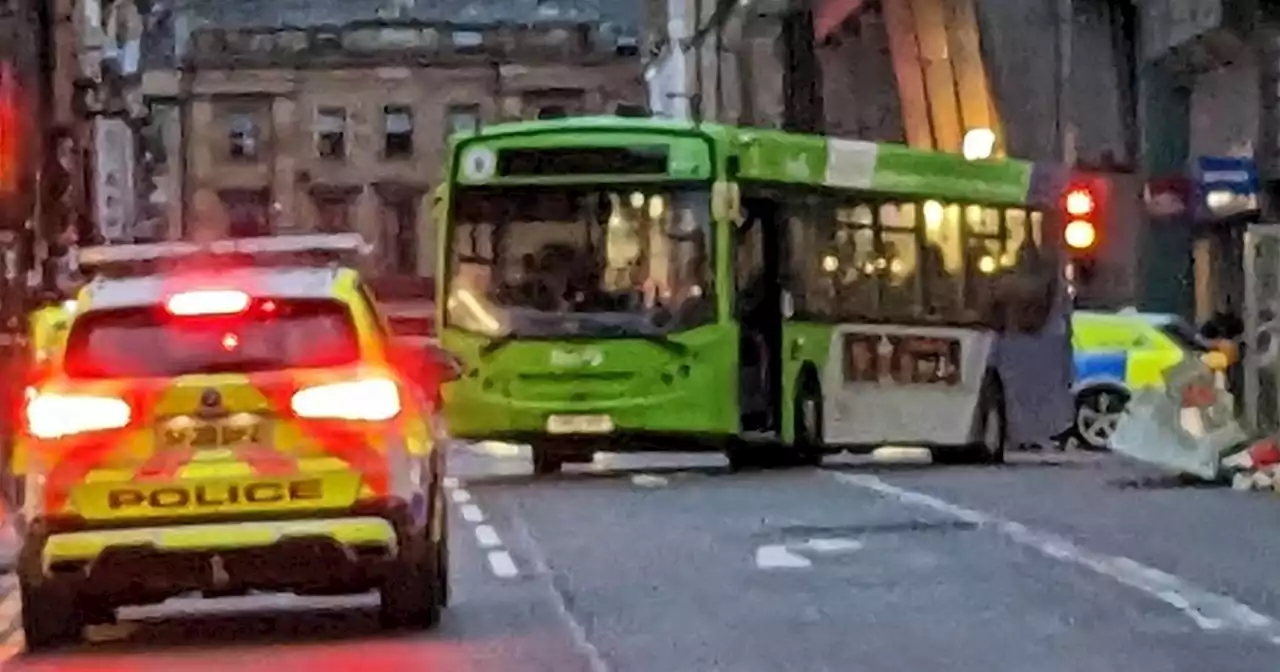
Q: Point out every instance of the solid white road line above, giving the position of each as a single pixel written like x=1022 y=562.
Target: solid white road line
x=502 y=564
x=487 y=537
x=538 y=561
x=777 y=556
x=1209 y=611
x=471 y=513
x=450 y=482
x=461 y=496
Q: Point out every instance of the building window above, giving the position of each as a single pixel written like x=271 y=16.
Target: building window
x=630 y=110
x=331 y=133
x=462 y=119
x=333 y=214
x=155 y=149
x=397 y=141
x=243 y=136
x=627 y=46
x=553 y=103
x=468 y=41
x=552 y=112
x=247 y=212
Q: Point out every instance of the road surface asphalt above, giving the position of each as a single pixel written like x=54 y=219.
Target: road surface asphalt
x=670 y=563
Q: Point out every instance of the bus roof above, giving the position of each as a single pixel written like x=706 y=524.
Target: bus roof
x=784 y=157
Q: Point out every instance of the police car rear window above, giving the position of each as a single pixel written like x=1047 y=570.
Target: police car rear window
x=151 y=343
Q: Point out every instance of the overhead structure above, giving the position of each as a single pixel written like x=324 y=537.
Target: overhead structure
x=943 y=86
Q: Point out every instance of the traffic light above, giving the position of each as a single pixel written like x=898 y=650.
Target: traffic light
x=1083 y=204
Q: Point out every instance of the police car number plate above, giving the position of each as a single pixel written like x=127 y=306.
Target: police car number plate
x=183 y=433
x=579 y=424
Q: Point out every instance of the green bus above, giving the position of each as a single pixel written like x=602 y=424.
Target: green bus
x=629 y=284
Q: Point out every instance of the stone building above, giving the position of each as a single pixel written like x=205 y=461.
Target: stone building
x=336 y=119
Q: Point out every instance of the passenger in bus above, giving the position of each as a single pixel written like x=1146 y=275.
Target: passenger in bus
x=941 y=289
x=899 y=276
x=529 y=289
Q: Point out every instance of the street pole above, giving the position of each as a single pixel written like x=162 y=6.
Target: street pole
x=1064 y=143
x=1267 y=152
x=186 y=77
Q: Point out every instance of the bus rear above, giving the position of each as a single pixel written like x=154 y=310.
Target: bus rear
x=579 y=289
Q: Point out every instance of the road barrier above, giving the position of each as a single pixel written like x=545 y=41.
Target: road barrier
x=1186 y=427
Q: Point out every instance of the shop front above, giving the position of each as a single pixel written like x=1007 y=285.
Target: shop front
x=1226 y=202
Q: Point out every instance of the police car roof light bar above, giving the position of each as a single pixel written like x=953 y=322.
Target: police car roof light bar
x=339 y=244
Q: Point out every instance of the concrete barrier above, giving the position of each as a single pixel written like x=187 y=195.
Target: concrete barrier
x=1185 y=428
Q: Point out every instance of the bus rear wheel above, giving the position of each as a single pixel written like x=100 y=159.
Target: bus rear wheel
x=993 y=424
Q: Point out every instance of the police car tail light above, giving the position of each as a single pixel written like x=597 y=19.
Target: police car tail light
x=53 y=416
x=207 y=302
x=372 y=399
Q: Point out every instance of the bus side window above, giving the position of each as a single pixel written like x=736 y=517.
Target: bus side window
x=851 y=265
x=942 y=260
x=899 y=262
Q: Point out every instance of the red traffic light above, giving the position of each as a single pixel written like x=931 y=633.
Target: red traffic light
x=1084 y=204
x=1079 y=202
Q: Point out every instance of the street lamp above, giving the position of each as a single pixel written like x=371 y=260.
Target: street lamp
x=979 y=144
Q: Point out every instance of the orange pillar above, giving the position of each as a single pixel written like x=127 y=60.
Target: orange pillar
x=942 y=78
x=939 y=78
x=976 y=103
x=904 y=47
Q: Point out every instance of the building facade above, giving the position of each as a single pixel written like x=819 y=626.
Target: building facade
x=1202 y=73
x=290 y=127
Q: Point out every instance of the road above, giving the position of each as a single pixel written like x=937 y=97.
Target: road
x=1058 y=562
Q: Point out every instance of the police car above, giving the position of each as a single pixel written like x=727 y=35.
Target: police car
x=228 y=418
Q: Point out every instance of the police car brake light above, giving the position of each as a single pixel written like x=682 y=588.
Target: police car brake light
x=371 y=399
x=207 y=302
x=53 y=416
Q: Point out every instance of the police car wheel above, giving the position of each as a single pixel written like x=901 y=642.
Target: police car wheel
x=442 y=556
x=50 y=617
x=410 y=594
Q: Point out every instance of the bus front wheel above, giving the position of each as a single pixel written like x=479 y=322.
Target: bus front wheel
x=807 y=424
x=993 y=423
x=545 y=463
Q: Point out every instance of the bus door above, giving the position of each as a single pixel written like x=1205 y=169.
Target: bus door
x=757 y=305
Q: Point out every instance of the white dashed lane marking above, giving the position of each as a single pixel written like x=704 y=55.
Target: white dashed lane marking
x=502 y=564
x=487 y=537
x=499 y=560
x=471 y=513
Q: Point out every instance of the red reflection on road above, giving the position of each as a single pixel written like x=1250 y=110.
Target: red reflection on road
x=387 y=654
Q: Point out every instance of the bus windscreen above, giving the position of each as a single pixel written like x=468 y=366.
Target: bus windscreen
x=642 y=160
